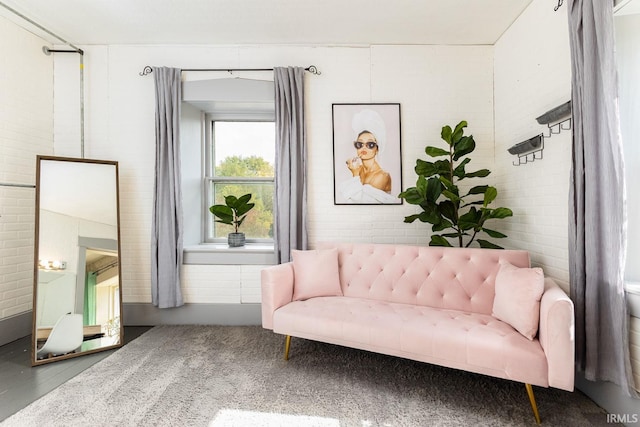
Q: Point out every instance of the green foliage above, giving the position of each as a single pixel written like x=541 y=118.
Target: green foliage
x=234 y=211
x=258 y=223
x=251 y=166
x=438 y=195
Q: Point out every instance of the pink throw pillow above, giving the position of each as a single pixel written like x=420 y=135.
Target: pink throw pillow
x=315 y=273
x=517 y=300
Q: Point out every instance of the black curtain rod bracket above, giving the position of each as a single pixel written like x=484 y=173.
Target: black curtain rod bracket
x=555 y=9
x=148 y=70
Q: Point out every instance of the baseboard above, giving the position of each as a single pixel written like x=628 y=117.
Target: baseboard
x=15 y=327
x=622 y=408
x=145 y=314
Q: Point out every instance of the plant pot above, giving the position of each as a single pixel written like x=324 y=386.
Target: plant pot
x=235 y=240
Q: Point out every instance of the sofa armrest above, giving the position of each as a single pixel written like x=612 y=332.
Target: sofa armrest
x=277 y=290
x=556 y=335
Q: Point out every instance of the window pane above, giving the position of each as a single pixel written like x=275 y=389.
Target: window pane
x=244 y=149
x=259 y=221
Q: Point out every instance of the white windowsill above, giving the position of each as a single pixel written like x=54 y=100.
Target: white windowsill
x=222 y=254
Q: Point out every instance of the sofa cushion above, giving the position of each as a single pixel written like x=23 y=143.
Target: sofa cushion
x=315 y=273
x=517 y=300
x=473 y=342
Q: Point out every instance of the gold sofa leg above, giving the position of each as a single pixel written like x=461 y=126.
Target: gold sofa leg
x=532 y=399
x=287 y=345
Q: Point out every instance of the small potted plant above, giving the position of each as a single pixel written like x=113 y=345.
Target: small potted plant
x=233 y=212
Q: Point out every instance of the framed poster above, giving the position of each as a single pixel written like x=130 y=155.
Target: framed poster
x=367 y=160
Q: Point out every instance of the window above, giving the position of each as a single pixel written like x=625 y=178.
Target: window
x=628 y=59
x=240 y=159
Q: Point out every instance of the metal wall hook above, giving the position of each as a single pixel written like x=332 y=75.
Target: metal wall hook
x=553 y=130
x=529 y=157
x=531 y=149
x=557 y=128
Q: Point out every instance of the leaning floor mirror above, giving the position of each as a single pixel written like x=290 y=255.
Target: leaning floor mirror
x=77 y=302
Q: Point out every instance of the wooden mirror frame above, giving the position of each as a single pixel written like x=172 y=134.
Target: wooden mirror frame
x=87 y=331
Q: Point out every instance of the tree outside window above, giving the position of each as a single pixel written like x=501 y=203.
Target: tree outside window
x=242 y=161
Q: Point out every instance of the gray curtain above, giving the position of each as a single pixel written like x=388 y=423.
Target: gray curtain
x=166 y=237
x=597 y=223
x=290 y=204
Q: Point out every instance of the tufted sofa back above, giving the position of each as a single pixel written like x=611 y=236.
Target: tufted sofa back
x=449 y=278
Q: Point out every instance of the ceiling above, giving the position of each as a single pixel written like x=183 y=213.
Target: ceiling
x=626 y=7
x=299 y=22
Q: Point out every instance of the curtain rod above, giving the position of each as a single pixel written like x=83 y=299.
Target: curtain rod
x=48 y=51
x=8 y=184
x=311 y=68
x=106 y=267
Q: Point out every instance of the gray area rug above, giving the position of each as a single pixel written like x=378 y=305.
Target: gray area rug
x=221 y=376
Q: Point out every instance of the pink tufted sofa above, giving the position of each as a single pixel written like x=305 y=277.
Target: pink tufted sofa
x=431 y=304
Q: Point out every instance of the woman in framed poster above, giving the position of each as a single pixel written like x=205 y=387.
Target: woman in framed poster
x=367 y=158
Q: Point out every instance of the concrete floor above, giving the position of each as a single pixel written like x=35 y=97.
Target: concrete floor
x=21 y=384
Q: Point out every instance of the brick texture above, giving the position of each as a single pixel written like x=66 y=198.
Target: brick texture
x=26 y=129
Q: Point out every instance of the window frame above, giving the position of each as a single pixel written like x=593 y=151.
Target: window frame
x=209 y=179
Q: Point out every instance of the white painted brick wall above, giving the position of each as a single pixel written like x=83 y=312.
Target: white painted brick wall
x=532 y=76
x=222 y=283
x=26 y=129
x=435 y=85
x=120 y=126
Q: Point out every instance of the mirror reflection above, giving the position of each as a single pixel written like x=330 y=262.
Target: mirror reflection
x=77 y=298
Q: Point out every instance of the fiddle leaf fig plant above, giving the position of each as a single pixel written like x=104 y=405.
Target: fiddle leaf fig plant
x=234 y=211
x=460 y=216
